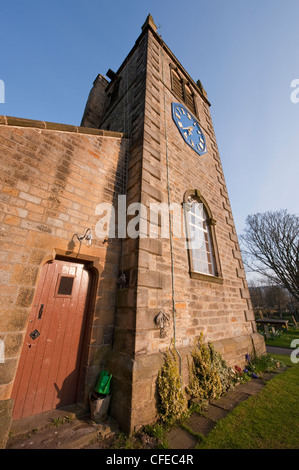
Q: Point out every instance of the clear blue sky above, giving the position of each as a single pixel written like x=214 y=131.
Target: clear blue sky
x=246 y=54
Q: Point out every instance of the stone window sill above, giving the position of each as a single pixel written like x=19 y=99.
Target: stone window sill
x=206 y=277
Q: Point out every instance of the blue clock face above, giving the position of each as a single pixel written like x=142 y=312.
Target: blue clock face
x=189 y=128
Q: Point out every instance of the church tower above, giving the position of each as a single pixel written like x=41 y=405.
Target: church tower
x=173 y=161
x=75 y=302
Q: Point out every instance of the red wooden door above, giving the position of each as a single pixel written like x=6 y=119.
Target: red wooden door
x=49 y=367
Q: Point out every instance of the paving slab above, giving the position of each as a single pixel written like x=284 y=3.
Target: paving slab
x=237 y=396
x=225 y=403
x=200 y=424
x=251 y=388
x=280 y=369
x=215 y=413
x=180 y=439
x=268 y=376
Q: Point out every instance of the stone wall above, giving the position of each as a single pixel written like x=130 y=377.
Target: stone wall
x=52 y=179
x=127 y=114
x=219 y=308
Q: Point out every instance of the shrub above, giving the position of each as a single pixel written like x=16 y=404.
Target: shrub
x=173 y=403
x=225 y=373
x=204 y=380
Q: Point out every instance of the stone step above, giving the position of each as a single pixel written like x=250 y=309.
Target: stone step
x=59 y=429
x=73 y=435
x=42 y=420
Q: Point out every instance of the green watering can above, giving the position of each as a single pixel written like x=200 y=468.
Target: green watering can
x=103 y=384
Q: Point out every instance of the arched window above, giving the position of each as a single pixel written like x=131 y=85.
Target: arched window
x=201 y=240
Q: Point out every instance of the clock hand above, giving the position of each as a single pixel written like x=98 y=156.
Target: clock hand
x=189 y=129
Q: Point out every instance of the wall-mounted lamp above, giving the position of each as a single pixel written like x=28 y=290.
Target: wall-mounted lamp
x=87 y=236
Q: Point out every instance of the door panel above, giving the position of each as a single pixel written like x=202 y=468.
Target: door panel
x=49 y=367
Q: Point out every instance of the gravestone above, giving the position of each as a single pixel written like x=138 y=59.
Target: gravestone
x=267 y=332
x=261 y=314
x=295 y=323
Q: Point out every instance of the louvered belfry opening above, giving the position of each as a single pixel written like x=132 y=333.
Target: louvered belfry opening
x=189 y=99
x=177 y=86
x=182 y=90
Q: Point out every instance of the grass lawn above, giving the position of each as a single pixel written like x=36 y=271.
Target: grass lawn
x=269 y=420
x=284 y=341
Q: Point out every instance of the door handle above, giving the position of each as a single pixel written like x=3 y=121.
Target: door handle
x=40 y=312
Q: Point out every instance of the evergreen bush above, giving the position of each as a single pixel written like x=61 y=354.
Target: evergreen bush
x=173 y=403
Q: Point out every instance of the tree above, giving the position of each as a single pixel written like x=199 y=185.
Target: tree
x=270 y=245
x=256 y=294
x=276 y=297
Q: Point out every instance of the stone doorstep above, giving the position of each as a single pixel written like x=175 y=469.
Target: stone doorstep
x=73 y=435
x=40 y=421
x=34 y=432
